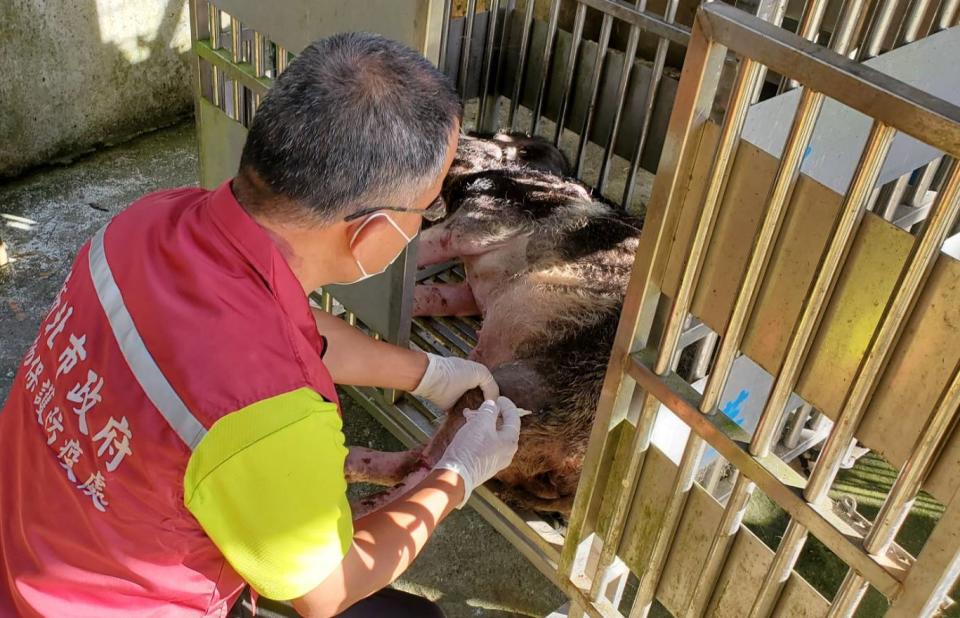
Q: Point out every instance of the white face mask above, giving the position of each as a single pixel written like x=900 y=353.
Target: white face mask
x=365 y=275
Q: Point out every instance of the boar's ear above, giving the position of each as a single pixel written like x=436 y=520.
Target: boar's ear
x=519 y=381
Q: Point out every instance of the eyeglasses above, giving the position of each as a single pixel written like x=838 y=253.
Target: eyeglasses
x=433 y=213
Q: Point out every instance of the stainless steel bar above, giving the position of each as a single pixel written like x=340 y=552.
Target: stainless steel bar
x=566 y=93
x=521 y=74
x=656 y=74
x=704 y=356
x=910 y=30
x=545 y=65
x=790 y=546
x=842 y=36
x=907 y=109
x=772 y=11
x=739 y=102
x=917 y=193
x=720 y=547
x=488 y=73
x=444 y=35
x=606 y=27
x=878 y=30
x=465 y=45
x=235 y=54
x=890 y=197
x=797 y=424
x=948 y=15
x=909 y=285
x=715 y=475
x=259 y=63
x=215 y=76
x=629 y=58
x=689 y=462
x=809 y=28
x=848 y=597
x=703 y=63
x=282 y=59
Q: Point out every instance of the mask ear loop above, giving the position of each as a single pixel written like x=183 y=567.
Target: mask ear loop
x=356 y=233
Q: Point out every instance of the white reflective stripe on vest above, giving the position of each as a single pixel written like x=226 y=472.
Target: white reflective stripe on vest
x=141 y=363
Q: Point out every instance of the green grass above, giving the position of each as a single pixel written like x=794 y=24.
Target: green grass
x=868 y=482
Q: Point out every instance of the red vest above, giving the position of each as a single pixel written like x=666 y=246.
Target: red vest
x=180 y=311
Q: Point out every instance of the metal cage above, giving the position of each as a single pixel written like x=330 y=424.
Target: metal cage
x=823 y=279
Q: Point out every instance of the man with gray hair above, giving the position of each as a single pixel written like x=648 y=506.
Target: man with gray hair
x=174 y=432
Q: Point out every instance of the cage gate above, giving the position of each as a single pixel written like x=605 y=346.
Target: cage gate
x=600 y=81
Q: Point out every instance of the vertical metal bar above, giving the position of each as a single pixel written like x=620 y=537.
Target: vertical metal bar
x=629 y=57
x=790 y=546
x=235 y=32
x=865 y=177
x=545 y=65
x=910 y=30
x=716 y=473
x=565 y=94
x=444 y=36
x=465 y=45
x=720 y=547
x=739 y=102
x=890 y=197
x=772 y=11
x=948 y=16
x=697 y=88
x=488 y=72
x=879 y=27
x=917 y=193
x=909 y=285
x=842 y=37
x=656 y=74
x=848 y=597
x=213 y=16
x=797 y=424
x=809 y=28
x=282 y=59
x=605 y=27
x=520 y=77
x=259 y=62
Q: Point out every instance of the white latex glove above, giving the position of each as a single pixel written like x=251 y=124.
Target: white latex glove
x=448 y=378
x=480 y=448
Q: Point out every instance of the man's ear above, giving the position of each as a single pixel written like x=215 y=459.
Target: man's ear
x=365 y=243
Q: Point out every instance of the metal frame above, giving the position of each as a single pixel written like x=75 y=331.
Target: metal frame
x=639 y=368
x=683 y=223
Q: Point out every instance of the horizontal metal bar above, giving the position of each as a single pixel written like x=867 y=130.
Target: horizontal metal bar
x=243 y=73
x=774 y=478
x=892 y=102
x=645 y=21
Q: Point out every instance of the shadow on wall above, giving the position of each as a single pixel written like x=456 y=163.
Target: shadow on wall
x=79 y=74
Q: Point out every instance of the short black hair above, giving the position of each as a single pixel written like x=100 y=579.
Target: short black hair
x=355 y=119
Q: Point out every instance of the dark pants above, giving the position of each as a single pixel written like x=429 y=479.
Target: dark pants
x=388 y=602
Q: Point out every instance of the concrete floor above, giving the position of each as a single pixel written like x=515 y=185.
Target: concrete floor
x=46 y=216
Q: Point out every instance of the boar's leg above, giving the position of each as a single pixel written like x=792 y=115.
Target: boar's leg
x=445 y=299
x=386 y=468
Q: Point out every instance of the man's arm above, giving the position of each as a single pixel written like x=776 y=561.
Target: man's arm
x=385 y=542
x=355 y=359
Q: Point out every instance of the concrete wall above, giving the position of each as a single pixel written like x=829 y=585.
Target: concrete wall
x=77 y=74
